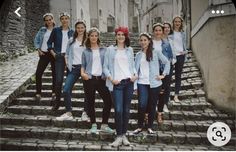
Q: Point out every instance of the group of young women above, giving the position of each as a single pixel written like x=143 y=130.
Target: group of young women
x=113 y=71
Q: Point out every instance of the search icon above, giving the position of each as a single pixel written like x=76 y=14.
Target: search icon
x=219 y=134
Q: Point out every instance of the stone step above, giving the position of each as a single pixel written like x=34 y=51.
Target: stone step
x=191 y=71
x=188 y=104
x=185 y=85
x=77 y=111
x=48 y=120
x=184 y=94
x=54 y=144
x=166 y=137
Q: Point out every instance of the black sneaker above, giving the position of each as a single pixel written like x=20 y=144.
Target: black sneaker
x=53 y=97
x=56 y=106
x=37 y=97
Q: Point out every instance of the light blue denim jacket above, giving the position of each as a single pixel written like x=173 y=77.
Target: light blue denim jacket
x=167 y=52
x=109 y=64
x=70 y=54
x=154 y=67
x=38 y=40
x=87 y=60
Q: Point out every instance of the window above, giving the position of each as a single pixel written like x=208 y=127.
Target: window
x=100 y=12
x=82 y=13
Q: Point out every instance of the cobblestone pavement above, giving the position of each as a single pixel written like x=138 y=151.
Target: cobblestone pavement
x=14 y=75
x=30 y=125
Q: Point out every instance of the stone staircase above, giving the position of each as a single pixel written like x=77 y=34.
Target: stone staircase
x=31 y=125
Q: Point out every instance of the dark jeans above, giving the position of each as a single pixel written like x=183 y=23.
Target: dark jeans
x=59 y=69
x=178 y=71
x=72 y=77
x=91 y=86
x=122 y=95
x=165 y=90
x=148 y=98
x=85 y=99
x=42 y=65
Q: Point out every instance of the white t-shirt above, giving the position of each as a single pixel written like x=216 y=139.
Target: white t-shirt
x=96 y=66
x=65 y=40
x=144 y=70
x=178 y=43
x=46 y=36
x=157 y=45
x=77 y=52
x=121 y=66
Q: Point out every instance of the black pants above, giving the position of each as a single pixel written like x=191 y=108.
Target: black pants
x=42 y=65
x=178 y=71
x=165 y=90
x=85 y=99
x=59 y=70
x=91 y=86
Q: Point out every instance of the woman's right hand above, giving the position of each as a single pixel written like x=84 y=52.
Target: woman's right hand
x=115 y=82
x=40 y=52
x=85 y=76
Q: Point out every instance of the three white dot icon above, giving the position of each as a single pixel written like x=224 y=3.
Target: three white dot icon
x=217 y=11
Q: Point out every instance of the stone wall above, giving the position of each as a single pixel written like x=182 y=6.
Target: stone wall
x=17 y=33
x=215 y=49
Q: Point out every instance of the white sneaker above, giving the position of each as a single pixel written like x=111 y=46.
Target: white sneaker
x=176 y=99
x=84 y=116
x=125 y=140
x=117 y=142
x=65 y=116
x=165 y=108
x=106 y=129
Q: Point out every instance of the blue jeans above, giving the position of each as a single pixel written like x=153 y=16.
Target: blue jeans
x=59 y=70
x=178 y=71
x=147 y=99
x=72 y=77
x=122 y=95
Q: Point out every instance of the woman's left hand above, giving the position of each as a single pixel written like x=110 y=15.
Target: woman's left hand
x=133 y=78
x=160 y=77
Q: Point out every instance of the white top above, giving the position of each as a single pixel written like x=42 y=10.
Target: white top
x=157 y=45
x=121 y=66
x=144 y=71
x=65 y=40
x=46 y=36
x=96 y=66
x=77 y=52
x=178 y=43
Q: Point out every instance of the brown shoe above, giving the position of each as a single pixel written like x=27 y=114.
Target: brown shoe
x=159 y=118
x=146 y=118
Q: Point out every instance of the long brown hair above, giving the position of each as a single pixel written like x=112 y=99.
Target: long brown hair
x=48 y=14
x=76 y=33
x=149 y=55
x=87 y=42
x=181 y=26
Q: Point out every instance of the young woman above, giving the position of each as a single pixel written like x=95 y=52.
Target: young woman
x=91 y=72
x=73 y=60
x=158 y=42
x=121 y=74
x=57 y=45
x=149 y=79
x=179 y=42
x=40 y=43
x=167 y=80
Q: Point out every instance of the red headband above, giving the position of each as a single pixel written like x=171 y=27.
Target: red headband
x=122 y=29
